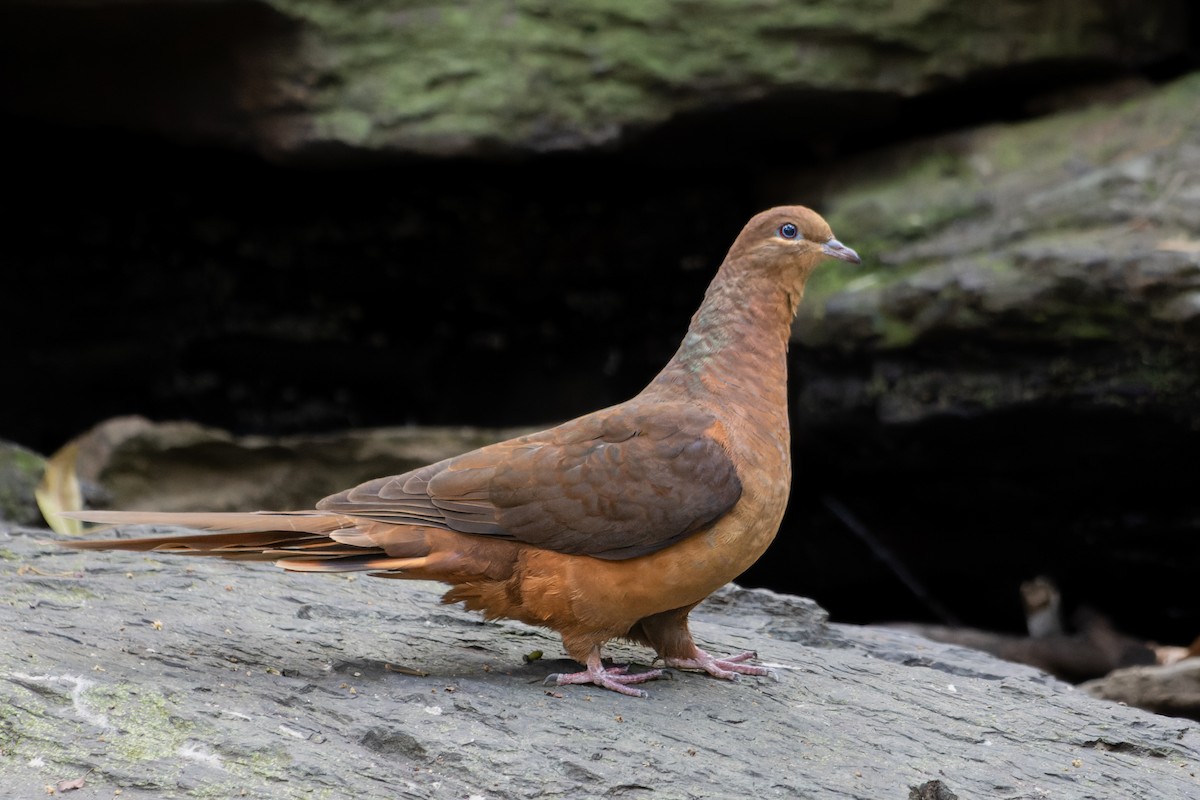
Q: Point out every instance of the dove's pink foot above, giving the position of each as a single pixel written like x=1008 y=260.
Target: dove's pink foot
x=727 y=668
x=615 y=678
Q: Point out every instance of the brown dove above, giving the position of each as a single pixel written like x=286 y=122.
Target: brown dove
x=610 y=526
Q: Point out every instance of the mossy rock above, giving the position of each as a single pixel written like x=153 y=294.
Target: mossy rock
x=1056 y=260
x=539 y=75
x=1082 y=226
x=20 y=471
x=328 y=78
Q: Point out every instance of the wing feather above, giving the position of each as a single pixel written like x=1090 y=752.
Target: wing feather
x=616 y=484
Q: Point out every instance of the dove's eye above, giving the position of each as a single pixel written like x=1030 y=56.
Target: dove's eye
x=788 y=231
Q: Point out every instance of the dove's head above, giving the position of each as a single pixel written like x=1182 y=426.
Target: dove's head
x=790 y=236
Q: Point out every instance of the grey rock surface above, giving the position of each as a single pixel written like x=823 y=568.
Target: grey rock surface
x=1170 y=689
x=172 y=678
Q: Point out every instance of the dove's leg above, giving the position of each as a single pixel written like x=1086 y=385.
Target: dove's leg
x=668 y=634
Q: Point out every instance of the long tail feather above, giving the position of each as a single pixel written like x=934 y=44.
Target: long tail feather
x=299 y=541
x=359 y=563
x=234 y=521
x=239 y=536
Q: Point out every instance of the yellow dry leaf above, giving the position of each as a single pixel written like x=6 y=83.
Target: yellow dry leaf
x=59 y=491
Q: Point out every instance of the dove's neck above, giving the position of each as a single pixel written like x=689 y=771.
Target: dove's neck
x=734 y=355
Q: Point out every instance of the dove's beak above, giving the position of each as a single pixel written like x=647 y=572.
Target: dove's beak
x=835 y=249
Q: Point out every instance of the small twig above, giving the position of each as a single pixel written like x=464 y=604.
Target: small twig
x=26 y=569
x=1168 y=194
x=1156 y=205
x=890 y=560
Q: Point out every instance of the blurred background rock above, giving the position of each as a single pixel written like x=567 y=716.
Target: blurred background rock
x=288 y=219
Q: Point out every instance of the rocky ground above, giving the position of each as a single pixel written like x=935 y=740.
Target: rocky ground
x=163 y=678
